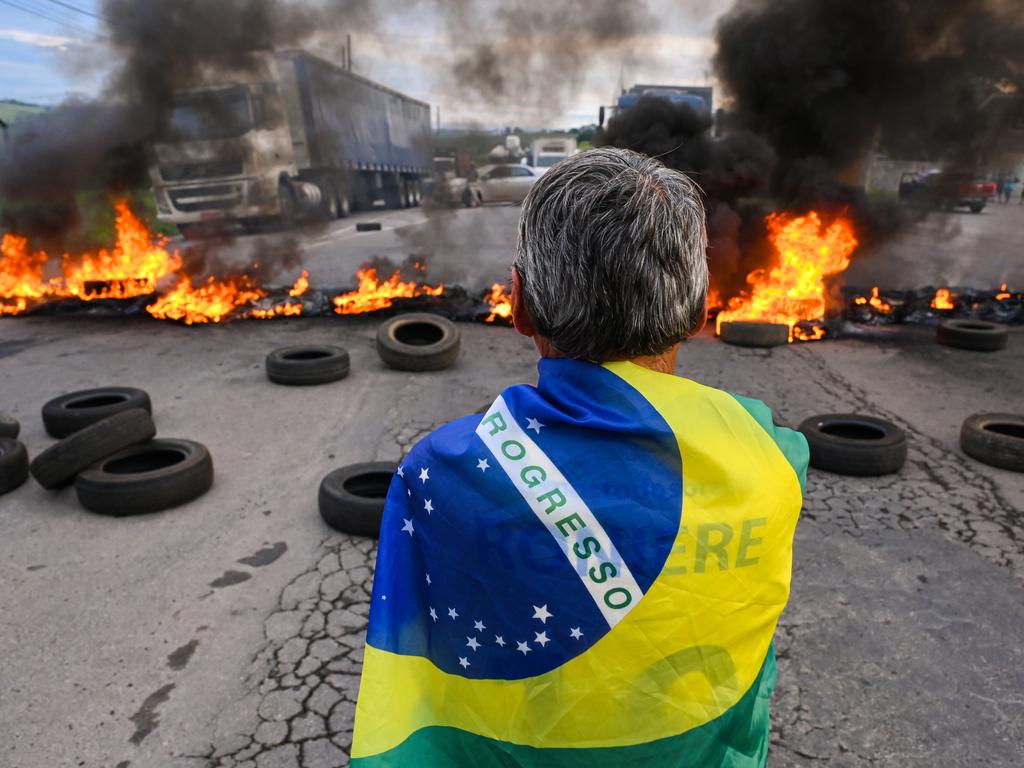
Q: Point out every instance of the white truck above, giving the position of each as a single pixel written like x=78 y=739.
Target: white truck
x=297 y=135
x=548 y=150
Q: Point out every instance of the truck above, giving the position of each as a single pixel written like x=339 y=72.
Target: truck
x=291 y=137
x=697 y=97
x=946 y=189
x=545 y=151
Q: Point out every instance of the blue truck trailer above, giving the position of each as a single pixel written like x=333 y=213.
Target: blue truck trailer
x=292 y=136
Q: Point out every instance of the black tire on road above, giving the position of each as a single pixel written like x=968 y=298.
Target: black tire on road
x=58 y=464
x=13 y=464
x=977 y=335
x=9 y=426
x=368 y=226
x=852 y=444
x=418 y=341
x=351 y=499
x=306 y=365
x=148 y=477
x=996 y=439
x=77 y=410
x=749 y=334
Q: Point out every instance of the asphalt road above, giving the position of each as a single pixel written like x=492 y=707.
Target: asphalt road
x=229 y=632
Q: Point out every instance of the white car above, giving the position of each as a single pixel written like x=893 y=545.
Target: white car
x=505 y=183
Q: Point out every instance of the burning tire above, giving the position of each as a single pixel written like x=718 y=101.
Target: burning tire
x=745 y=334
x=58 y=464
x=418 y=342
x=352 y=498
x=851 y=444
x=77 y=410
x=368 y=226
x=996 y=439
x=13 y=464
x=146 y=478
x=976 y=335
x=9 y=426
x=303 y=366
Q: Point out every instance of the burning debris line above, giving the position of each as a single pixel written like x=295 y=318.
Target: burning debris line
x=144 y=272
x=928 y=305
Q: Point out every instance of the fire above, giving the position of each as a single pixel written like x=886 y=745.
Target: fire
x=500 y=303
x=943 y=299
x=211 y=302
x=1003 y=294
x=877 y=302
x=374 y=293
x=301 y=285
x=794 y=290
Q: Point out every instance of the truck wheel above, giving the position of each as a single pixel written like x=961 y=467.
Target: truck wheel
x=303 y=366
x=351 y=499
x=976 y=335
x=13 y=464
x=851 y=444
x=286 y=204
x=996 y=439
x=77 y=410
x=146 y=478
x=59 y=463
x=329 y=201
x=9 y=426
x=977 y=208
x=417 y=194
x=747 y=334
x=418 y=341
x=344 y=205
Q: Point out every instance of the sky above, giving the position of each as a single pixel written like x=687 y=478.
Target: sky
x=51 y=50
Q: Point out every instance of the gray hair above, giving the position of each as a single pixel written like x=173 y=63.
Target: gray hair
x=611 y=256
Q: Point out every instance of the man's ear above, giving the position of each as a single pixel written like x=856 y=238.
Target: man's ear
x=521 y=319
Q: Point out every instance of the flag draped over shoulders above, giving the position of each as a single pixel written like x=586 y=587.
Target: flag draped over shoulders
x=588 y=574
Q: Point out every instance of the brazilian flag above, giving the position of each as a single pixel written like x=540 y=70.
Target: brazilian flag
x=590 y=574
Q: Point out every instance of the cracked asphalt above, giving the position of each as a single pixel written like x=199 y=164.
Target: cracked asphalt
x=229 y=633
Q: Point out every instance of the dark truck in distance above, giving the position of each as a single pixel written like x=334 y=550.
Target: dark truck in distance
x=295 y=135
x=946 y=190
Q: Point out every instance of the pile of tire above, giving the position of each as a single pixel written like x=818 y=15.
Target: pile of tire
x=107 y=447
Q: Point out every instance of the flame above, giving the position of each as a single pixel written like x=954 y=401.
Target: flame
x=877 y=302
x=211 y=302
x=1003 y=293
x=943 y=299
x=500 y=303
x=794 y=290
x=301 y=285
x=714 y=300
x=374 y=293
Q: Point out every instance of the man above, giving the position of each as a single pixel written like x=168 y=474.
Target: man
x=590 y=574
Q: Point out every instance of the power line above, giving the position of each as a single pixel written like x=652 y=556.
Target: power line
x=40 y=15
x=76 y=9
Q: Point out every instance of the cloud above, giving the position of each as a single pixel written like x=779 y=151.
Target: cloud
x=37 y=39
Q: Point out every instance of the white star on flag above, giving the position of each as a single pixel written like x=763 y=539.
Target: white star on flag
x=463 y=661
x=542 y=638
x=408 y=526
x=401 y=473
x=472 y=643
x=523 y=648
x=429 y=506
x=499 y=640
x=424 y=474
x=482 y=465
x=478 y=625
x=534 y=425
x=575 y=633
x=433 y=613
x=453 y=613
x=428 y=579
x=541 y=612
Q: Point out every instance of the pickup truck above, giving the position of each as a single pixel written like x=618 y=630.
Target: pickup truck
x=946 y=190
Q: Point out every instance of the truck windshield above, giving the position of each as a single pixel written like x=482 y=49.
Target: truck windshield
x=219 y=114
x=546 y=161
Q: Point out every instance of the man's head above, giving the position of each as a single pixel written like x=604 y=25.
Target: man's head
x=611 y=260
